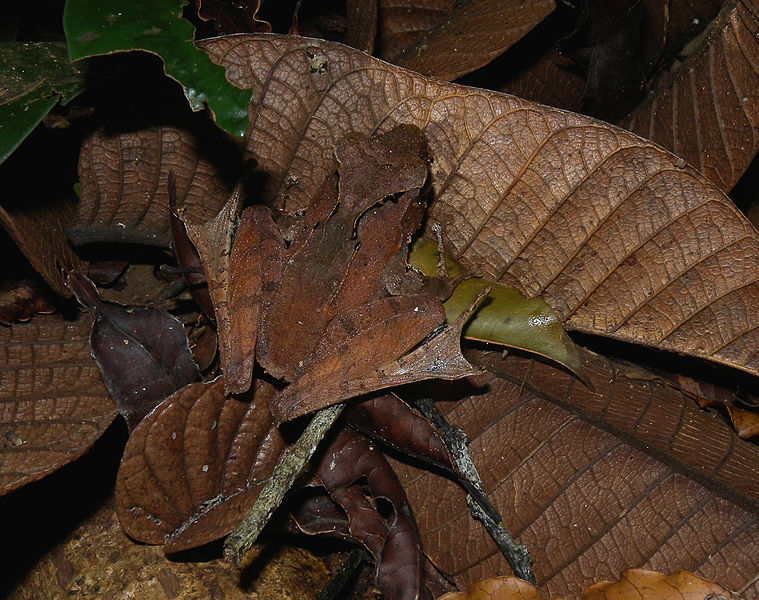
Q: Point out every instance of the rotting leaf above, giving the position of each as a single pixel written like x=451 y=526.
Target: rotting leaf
x=195 y=465
x=53 y=404
x=655 y=254
x=141 y=352
x=585 y=472
x=505 y=317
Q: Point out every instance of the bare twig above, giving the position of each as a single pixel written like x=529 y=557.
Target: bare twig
x=480 y=506
x=290 y=465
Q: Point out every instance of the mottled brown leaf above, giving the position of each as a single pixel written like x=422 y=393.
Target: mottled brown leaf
x=708 y=112
x=619 y=237
x=37 y=229
x=633 y=473
x=469 y=36
x=195 y=465
x=53 y=404
x=97 y=560
x=124 y=185
x=142 y=353
x=235 y=273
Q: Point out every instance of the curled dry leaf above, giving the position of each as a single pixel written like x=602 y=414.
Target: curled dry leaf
x=195 y=465
x=632 y=473
x=124 y=185
x=53 y=404
x=708 y=111
x=643 y=584
x=393 y=541
x=654 y=255
x=142 y=353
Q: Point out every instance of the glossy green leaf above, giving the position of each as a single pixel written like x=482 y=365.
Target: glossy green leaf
x=33 y=77
x=505 y=317
x=95 y=27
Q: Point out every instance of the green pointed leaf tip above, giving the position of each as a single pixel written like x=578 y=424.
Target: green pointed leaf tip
x=96 y=27
x=505 y=317
x=33 y=77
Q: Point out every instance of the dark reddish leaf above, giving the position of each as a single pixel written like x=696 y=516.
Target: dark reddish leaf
x=593 y=481
x=389 y=419
x=142 y=353
x=22 y=302
x=392 y=541
x=195 y=465
x=53 y=404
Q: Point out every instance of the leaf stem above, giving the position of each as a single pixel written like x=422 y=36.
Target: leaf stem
x=289 y=467
x=479 y=504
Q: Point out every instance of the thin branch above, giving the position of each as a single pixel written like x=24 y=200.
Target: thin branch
x=480 y=506
x=289 y=467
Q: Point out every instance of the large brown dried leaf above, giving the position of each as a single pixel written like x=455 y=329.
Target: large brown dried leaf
x=470 y=36
x=53 y=404
x=124 y=185
x=708 y=111
x=595 y=482
x=195 y=465
x=619 y=237
x=37 y=228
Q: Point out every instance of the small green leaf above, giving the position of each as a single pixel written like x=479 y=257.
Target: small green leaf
x=33 y=77
x=95 y=27
x=505 y=317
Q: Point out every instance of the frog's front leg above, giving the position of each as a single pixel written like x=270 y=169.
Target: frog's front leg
x=360 y=352
x=238 y=264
